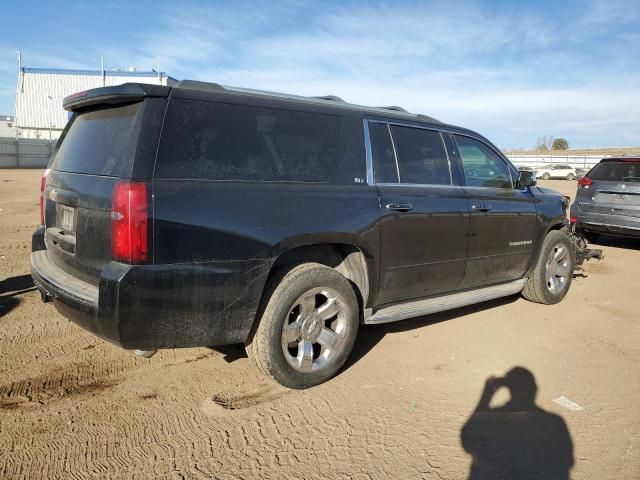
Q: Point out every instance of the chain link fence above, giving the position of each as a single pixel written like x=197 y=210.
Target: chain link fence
x=24 y=152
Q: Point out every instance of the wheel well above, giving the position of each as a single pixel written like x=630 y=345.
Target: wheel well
x=555 y=226
x=346 y=259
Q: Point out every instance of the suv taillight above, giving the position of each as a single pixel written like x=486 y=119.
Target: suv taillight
x=584 y=182
x=129 y=222
x=43 y=185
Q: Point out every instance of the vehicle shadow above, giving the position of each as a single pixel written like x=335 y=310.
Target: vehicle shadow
x=232 y=352
x=370 y=335
x=12 y=287
x=518 y=439
x=16 y=285
x=628 y=243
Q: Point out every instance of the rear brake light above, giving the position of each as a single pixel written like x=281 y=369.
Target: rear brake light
x=43 y=185
x=573 y=219
x=129 y=222
x=584 y=182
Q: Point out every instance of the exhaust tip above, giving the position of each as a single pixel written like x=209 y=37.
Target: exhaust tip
x=145 y=353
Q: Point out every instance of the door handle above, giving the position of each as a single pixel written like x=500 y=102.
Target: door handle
x=480 y=207
x=400 y=207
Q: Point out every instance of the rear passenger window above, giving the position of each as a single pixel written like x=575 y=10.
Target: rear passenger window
x=482 y=166
x=216 y=141
x=421 y=156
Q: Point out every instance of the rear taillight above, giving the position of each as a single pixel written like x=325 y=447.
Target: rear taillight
x=584 y=182
x=43 y=185
x=573 y=219
x=129 y=222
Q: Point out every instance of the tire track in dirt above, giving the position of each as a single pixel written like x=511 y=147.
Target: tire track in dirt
x=97 y=411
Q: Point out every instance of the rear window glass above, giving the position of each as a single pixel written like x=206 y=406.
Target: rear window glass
x=100 y=142
x=216 y=141
x=421 y=156
x=616 y=171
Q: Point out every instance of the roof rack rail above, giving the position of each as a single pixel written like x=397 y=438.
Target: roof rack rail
x=337 y=101
x=427 y=117
x=197 y=85
x=395 y=108
x=333 y=98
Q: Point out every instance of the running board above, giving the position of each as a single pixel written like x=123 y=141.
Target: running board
x=417 y=308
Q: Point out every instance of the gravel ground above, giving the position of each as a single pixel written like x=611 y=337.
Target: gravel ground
x=410 y=403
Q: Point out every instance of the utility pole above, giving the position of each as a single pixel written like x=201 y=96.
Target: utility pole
x=102 y=70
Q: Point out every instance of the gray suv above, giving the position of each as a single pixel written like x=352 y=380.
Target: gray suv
x=608 y=199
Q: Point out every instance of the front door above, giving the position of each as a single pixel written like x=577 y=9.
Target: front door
x=502 y=219
x=424 y=216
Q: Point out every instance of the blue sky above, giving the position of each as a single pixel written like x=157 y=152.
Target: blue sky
x=513 y=70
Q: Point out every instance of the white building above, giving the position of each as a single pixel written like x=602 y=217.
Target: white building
x=40 y=91
x=7 y=126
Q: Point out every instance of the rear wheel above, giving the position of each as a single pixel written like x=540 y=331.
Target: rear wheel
x=546 y=176
x=307 y=328
x=570 y=176
x=552 y=275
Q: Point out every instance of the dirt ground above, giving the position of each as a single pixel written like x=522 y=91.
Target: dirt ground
x=73 y=406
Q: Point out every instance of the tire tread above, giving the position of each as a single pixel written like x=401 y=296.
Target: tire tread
x=258 y=345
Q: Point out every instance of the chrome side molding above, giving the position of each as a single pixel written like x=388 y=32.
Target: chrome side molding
x=417 y=308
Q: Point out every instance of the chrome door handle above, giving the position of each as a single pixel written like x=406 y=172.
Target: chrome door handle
x=400 y=207
x=479 y=207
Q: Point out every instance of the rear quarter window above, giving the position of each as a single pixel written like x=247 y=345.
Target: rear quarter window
x=100 y=142
x=218 y=141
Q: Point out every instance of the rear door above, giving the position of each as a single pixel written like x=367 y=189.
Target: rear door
x=502 y=219
x=615 y=189
x=96 y=150
x=424 y=214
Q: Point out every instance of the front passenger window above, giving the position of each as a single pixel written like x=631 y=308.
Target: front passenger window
x=482 y=166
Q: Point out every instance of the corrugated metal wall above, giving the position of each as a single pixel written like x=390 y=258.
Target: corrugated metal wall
x=39 y=95
x=25 y=153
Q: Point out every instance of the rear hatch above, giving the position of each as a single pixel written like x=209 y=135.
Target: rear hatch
x=106 y=141
x=612 y=187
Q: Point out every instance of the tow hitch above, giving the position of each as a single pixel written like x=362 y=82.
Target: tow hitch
x=581 y=248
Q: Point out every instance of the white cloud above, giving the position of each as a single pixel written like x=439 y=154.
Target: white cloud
x=512 y=74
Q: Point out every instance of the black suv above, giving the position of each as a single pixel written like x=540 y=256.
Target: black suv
x=201 y=215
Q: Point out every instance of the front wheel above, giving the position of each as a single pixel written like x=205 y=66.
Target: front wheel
x=546 y=176
x=571 y=176
x=307 y=328
x=552 y=275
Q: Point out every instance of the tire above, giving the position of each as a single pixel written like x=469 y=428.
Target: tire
x=546 y=176
x=298 y=340
x=552 y=275
x=571 y=176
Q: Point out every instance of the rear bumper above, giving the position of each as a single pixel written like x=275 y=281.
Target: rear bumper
x=606 y=223
x=157 y=306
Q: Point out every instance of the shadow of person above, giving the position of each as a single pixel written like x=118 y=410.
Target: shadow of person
x=517 y=440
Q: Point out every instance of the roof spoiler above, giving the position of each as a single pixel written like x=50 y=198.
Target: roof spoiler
x=126 y=93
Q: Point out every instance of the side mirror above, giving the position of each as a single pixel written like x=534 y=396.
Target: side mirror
x=526 y=179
